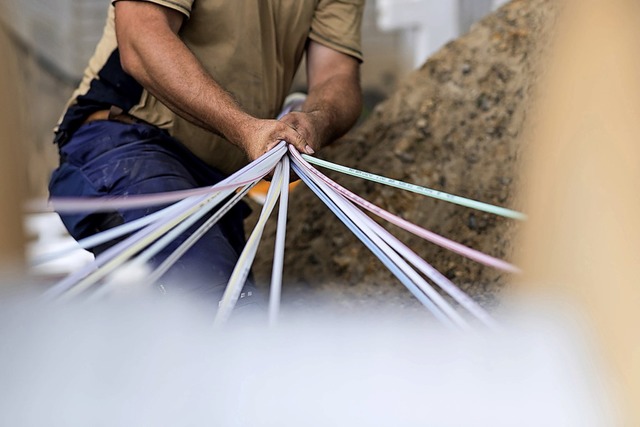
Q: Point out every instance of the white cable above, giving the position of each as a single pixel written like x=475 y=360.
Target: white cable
x=130 y=248
x=193 y=238
x=243 y=266
x=111 y=234
x=121 y=230
x=133 y=244
x=278 y=256
x=146 y=255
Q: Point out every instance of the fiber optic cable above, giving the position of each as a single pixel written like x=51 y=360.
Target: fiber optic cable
x=462 y=298
x=243 y=266
x=278 y=256
x=369 y=239
x=436 y=194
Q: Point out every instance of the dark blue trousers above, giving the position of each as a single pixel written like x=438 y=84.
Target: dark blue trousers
x=107 y=158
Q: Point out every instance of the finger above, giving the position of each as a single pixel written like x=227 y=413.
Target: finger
x=293 y=137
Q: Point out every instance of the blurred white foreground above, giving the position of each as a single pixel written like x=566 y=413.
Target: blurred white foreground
x=160 y=363
x=48 y=235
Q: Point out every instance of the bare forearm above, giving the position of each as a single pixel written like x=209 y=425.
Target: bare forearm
x=337 y=103
x=181 y=84
x=334 y=101
x=167 y=68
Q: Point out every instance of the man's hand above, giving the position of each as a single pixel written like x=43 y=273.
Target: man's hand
x=255 y=137
x=309 y=126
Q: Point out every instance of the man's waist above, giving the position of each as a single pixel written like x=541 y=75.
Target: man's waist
x=114 y=114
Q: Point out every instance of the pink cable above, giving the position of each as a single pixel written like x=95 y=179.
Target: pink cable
x=254 y=171
x=78 y=204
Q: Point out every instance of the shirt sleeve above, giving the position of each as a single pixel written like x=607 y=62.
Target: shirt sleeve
x=182 y=6
x=337 y=24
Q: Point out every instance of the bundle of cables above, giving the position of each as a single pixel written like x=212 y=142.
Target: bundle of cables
x=147 y=236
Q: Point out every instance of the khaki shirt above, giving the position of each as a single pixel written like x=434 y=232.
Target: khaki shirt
x=252 y=48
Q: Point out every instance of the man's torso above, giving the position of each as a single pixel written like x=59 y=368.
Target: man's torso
x=252 y=48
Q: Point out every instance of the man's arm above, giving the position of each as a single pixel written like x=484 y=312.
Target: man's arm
x=152 y=53
x=334 y=101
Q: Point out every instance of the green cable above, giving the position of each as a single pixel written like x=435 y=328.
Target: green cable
x=462 y=201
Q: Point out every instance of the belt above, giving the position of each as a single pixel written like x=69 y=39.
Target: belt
x=115 y=114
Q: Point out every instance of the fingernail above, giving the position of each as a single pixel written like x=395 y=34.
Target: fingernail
x=308 y=149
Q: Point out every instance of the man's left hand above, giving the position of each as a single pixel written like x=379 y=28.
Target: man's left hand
x=309 y=125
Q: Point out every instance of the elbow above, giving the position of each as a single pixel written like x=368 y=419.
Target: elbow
x=129 y=61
